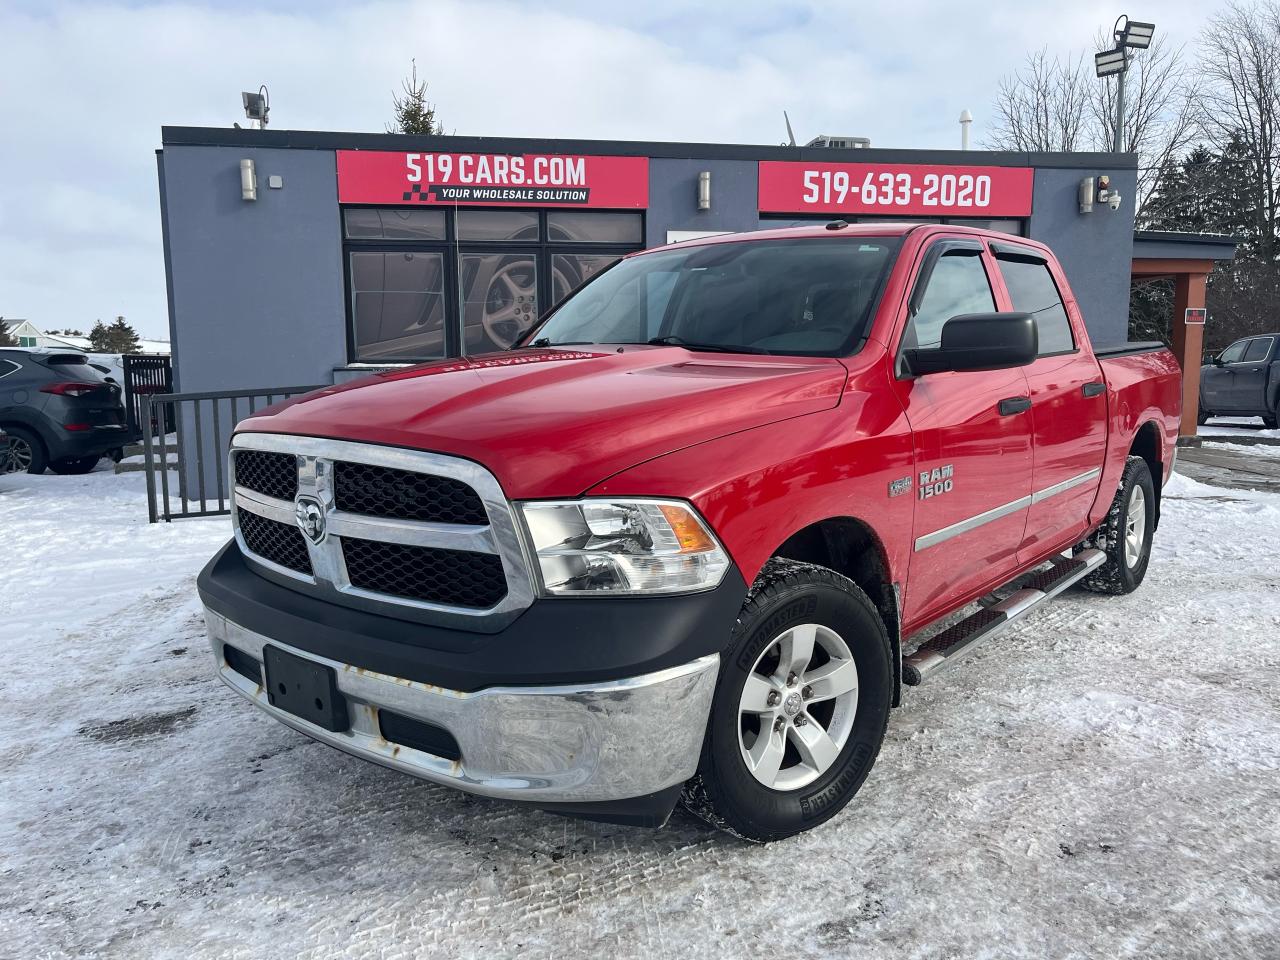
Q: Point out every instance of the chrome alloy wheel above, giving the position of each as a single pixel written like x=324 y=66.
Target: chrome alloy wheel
x=15 y=456
x=797 y=707
x=1135 y=527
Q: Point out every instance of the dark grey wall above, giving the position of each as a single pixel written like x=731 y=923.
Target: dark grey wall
x=256 y=286
x=673 y=197
x=1095 y=249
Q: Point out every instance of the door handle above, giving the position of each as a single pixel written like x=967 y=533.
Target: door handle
x=1094 y=388
x=1012 y=405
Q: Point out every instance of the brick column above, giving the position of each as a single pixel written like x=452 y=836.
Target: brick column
x=1188 y=344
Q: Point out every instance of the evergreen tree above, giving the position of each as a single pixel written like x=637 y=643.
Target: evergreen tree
x=124 y=339
x=413 y=113
x=6 y=338
x=99 y=337
x=119 y=337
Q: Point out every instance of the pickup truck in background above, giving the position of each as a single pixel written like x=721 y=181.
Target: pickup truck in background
x=1243 y=381
x=691 y=538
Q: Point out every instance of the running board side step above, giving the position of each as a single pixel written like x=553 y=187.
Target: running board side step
x=943 y=649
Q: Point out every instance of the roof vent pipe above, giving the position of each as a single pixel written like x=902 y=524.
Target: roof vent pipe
x=966 y=120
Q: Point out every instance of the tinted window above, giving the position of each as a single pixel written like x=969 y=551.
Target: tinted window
x=7 y=367
x=499 y=299
x=397 y=302
x=1032 y=290
x=1257 y=349
x=1234 y=352
x=957 y=285
x=807 y=297
x=593 y=226
x=497 y=225
x=395 y=224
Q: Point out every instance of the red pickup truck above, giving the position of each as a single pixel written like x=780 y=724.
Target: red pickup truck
x=690 y=539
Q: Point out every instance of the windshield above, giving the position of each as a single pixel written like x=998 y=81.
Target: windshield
x=811 y=297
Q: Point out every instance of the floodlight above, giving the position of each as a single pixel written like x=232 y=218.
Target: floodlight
x=257 y=105
x=1136 y=34
x=1110 y=62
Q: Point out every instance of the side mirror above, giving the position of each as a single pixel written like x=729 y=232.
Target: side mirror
x=979 y=341
x=1217 y=361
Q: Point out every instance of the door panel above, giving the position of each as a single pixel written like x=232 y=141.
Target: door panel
x=1068 y=404
x=1069 y=434
x=972 y=482
x=1249 y=376
x=983 y=467
x=1217 y=379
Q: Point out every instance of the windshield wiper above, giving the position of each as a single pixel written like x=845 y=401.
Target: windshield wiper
x=671 y=340
x=546 y=342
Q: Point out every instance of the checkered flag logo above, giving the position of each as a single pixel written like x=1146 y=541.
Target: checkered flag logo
x=416 y=193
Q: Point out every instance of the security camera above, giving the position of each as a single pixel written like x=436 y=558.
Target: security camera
x=1113 y=199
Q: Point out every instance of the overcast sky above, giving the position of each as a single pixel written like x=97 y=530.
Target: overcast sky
x=85 y=88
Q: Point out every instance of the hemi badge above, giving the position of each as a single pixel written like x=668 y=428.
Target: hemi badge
x=898 y=487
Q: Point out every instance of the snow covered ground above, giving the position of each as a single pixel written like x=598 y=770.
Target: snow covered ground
x=1237 y=427
x=1102 y=781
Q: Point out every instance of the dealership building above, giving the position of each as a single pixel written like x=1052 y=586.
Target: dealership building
x=299 y=258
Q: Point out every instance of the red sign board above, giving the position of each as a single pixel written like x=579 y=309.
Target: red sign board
x=895 y=189
x=1195 y=315
x=541 y=180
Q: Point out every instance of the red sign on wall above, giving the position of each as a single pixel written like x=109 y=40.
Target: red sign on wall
x=543 y=180
x=917 y=190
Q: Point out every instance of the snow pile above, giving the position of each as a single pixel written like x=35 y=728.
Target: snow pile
x=1100 y=781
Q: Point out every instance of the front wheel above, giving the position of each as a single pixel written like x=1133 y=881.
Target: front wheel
x=1125 y=536
x=1202 y=416
x=801 y=705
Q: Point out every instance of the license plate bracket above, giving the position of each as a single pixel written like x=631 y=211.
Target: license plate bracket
x=305 y=689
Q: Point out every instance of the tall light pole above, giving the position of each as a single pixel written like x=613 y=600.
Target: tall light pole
x=1133 y=35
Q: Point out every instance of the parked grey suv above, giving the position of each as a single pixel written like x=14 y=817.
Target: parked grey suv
x=58 y=410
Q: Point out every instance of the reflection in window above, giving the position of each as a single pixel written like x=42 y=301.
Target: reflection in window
x=570 y=271
x=593 y=226
x=397 y=302
x=499 y=299
x=497 y=225
x=394 y=223
x=1032 y=290
x=957 y=285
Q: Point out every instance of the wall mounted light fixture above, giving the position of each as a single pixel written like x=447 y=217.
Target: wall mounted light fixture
x=248 y=180
x=704 y=190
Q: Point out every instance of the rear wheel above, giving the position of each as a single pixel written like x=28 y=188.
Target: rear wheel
x=26 y=451
x=1202 y=416
x=1125 y=536
x=800 y=708
x=74 y=465
x=1269 y=422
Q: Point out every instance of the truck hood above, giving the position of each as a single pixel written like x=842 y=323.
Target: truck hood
x=555 y=422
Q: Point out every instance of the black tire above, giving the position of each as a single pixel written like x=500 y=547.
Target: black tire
x=724 y=791
x=26 y=447
x=1269 y=422
x=74 y=465
x=1122 y=573
x=1202 y=416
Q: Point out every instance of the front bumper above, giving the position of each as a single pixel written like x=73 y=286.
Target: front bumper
x=553 y=745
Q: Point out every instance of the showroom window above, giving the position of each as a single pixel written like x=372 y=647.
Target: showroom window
x=426 y=284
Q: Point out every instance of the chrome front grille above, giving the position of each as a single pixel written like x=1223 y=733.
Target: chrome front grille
x=416 y=535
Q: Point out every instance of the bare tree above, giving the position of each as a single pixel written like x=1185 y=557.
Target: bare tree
x=1240 y=105
x=1042 y=106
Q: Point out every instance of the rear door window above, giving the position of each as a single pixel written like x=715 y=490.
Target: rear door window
x=1257 y=349
x=1032 y=290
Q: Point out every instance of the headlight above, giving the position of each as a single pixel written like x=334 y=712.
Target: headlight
x=623 y=547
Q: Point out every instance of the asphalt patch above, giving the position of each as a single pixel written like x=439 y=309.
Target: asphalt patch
x=136 y=728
